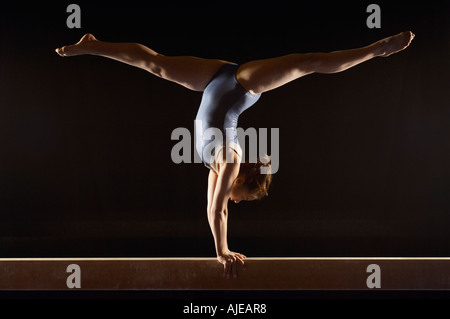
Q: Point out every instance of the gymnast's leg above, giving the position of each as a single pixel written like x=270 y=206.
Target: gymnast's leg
x=265 y=75
x=191 y=72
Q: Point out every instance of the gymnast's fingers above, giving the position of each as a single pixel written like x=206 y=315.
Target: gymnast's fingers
x=240 y=258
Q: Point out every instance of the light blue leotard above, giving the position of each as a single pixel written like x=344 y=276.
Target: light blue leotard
x=223 y=100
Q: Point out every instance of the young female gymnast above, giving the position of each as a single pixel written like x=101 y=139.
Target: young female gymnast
x=228 y=90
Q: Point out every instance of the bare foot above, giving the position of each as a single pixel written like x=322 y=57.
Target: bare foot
x=395 y=43
x=78 y=48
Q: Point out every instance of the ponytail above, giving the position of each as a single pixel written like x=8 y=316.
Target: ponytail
x=258 y=176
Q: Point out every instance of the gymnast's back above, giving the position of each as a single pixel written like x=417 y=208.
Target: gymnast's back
x=223 y=100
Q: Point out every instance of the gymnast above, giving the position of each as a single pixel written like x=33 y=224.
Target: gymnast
x=228 y=90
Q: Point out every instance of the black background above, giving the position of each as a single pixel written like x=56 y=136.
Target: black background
x=85 y=165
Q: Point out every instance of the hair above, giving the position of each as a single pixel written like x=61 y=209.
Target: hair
x=257 y=182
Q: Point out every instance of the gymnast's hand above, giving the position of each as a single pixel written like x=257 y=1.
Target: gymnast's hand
x=230 y=261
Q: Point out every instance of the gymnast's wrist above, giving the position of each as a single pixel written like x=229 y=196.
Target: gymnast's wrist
x=222 y=252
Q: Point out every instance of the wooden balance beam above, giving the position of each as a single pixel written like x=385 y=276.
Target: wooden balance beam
x=206 y=274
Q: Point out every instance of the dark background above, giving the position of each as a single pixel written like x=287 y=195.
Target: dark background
x=85 y=166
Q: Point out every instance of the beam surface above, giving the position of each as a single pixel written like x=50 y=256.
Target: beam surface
x=206 y=274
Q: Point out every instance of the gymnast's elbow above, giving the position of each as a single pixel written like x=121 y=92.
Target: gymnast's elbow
x=217 y=214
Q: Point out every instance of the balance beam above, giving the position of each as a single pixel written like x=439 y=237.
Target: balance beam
x=206 y=274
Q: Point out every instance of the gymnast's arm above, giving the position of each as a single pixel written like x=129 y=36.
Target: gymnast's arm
x=219 y=189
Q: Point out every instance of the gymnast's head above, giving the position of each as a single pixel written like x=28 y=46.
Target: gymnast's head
x=253 y=181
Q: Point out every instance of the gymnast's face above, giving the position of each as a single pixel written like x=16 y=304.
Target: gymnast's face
x=240 y=192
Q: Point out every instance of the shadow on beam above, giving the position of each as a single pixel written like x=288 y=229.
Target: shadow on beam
x=206 y=274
